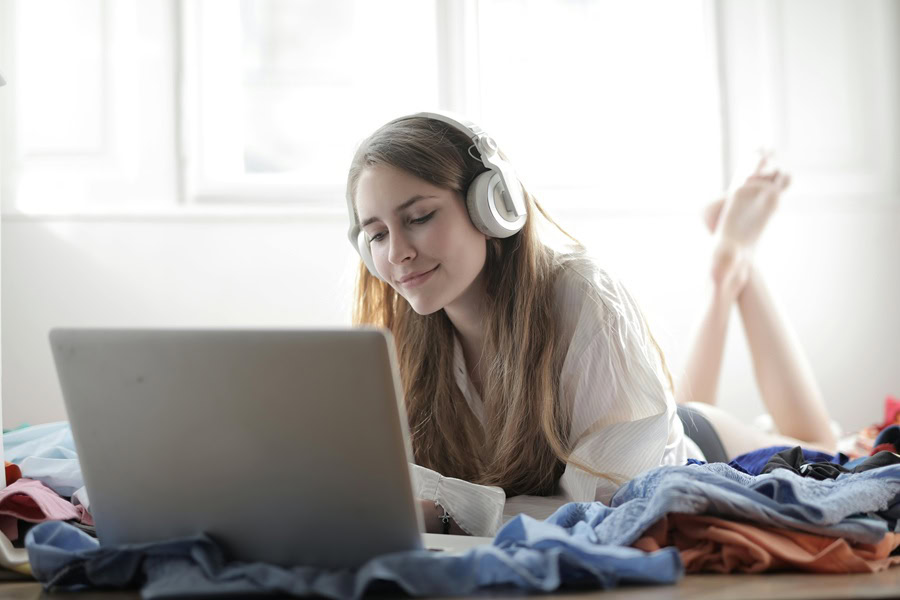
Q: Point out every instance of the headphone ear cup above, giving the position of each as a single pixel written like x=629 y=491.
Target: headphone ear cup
x=366 y=255
x=483 y=192
x=477 y=202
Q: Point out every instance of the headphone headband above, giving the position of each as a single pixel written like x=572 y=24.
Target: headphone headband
x=487 y=150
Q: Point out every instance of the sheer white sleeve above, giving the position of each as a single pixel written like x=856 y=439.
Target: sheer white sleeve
x=477 y=509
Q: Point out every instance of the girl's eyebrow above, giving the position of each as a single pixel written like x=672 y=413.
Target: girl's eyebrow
x=400 y=208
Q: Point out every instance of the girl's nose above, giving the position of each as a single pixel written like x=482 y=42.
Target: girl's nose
x=400 y=249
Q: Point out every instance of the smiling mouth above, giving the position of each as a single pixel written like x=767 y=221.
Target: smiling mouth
x=418 y=278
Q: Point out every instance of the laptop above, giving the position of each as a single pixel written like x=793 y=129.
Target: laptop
x=286 y=446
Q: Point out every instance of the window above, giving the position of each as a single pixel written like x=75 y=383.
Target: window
x=88 y=106
x=262 y=102
x=604 y=103
x=286 y=90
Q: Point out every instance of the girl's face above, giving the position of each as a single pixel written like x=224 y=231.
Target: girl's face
x=420 y=236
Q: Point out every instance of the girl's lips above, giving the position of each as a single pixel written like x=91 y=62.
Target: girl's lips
x=419 y=279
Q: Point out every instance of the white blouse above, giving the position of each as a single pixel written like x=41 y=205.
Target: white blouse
x=624 y=418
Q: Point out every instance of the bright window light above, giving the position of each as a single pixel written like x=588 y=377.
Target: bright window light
x=604 y=103
x=288 y=89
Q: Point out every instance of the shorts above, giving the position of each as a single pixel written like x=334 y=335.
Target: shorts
x=698 y=428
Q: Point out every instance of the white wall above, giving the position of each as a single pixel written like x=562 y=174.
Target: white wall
x=835 y=272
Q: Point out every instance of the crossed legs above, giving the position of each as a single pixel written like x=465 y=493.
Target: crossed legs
x=784 y=377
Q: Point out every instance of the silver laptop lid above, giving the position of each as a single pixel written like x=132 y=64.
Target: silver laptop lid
x=288 y=447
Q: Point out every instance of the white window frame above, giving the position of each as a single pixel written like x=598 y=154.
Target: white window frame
x=741 y=30
x=757 y=89
x=282 y=191
x=112 y=178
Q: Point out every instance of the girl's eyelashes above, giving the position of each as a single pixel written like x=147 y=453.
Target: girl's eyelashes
x=424 y=219
x=420 y=221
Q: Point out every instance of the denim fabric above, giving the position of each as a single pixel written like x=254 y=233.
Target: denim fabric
x=581 y=544
x=526 y=554
x=780 y=498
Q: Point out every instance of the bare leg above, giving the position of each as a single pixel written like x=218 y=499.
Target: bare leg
x=738 y=437
x=697 y=388
x=704 y=363
x=783 y=375
x=701 y=371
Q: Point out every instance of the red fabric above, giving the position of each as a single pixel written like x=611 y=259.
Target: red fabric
x=891 y=413
x=882 y=448
x=13 y=473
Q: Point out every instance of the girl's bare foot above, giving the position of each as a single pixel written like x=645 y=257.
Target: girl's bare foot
x=737 y=221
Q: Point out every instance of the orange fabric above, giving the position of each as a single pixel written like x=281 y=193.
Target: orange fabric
x=710 y=544
x=13 y=473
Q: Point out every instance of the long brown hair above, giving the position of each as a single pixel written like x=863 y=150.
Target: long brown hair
x=523 y=445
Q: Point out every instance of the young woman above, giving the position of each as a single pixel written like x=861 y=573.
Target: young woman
x=530 y=376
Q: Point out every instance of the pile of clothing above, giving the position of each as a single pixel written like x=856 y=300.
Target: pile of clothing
x=43 y=483
x=780 y=508
x=772 y=509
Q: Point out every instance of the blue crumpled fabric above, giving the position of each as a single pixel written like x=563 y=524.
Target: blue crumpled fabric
x=580 y=545
x=531 y=555
x=753 y=462
x=836 y=508
x=46 y=453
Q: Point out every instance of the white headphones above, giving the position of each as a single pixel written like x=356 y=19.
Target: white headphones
x=495 y=200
